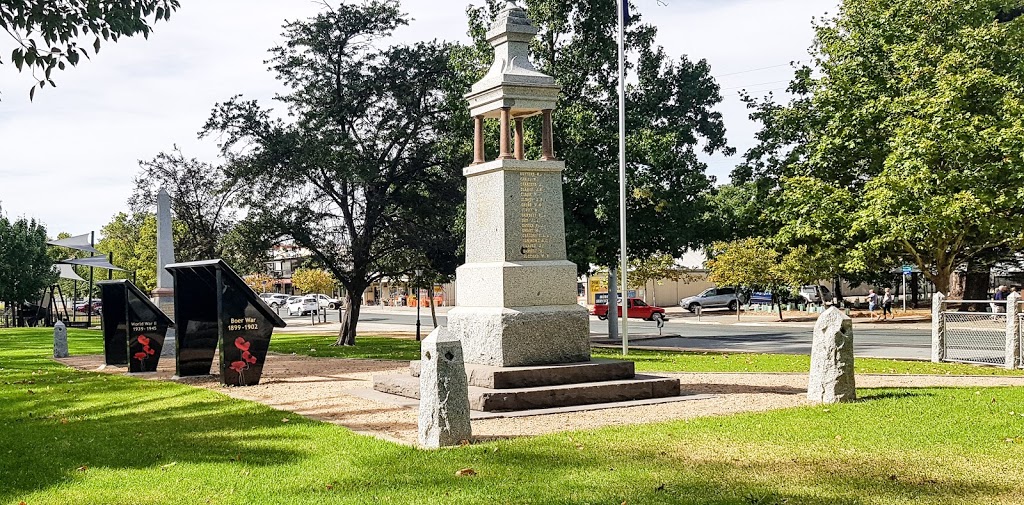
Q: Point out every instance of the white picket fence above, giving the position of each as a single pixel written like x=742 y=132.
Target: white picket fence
x=987 y=338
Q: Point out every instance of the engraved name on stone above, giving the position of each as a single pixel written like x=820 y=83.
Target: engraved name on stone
x=532 y=200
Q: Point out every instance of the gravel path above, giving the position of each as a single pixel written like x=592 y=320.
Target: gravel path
x=333 y=390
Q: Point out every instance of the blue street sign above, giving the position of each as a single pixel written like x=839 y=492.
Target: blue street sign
x=907 y=269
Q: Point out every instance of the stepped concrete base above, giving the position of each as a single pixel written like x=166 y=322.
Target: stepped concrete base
x=502 y=389
x=496 y=377
x=640 y=387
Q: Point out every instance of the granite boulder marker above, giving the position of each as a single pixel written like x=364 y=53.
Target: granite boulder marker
x=832 y=378
x=444 y=392
x=60 y=340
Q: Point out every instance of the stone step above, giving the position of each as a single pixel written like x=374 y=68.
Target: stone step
x=496 y=377
x=640 y=387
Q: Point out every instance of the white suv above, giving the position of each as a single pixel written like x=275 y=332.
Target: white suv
x=327 y=302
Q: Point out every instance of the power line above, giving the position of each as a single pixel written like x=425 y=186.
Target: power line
x=753 y=70
x=755 y=85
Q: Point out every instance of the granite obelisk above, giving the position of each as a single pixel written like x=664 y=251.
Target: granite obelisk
x=163 y=295
x=516 y=297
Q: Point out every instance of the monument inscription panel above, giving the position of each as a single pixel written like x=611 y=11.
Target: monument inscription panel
x=533 y=202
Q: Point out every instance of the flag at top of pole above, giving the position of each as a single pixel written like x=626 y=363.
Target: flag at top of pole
x=624 y=259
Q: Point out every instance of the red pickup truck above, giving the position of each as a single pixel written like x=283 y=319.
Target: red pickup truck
x=637 y=309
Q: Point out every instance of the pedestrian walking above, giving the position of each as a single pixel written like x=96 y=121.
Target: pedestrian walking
x=872 y=304
x=998 y=298
x=887 y=300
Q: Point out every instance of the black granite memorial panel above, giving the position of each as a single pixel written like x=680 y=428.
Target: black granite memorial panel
x=113 y=320
x=213 y=305
x=133 y=327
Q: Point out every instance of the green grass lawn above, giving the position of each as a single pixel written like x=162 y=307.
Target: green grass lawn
x=646 y=361
x=72 y=437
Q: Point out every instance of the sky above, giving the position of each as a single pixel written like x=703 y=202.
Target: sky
x=69 y=157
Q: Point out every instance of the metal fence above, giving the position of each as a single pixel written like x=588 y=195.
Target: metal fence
x=975 y=337
x=987 y=338
x=1020 y=333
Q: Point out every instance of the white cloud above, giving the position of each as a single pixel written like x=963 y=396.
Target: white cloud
x=69 y=158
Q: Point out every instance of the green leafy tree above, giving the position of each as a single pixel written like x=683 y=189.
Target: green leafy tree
x=657 y=268
x=366 y=171
x=671 y=119
x=314 y=280
x=750 y=262
x=132 y=241
x=47 y=33
x=260 y=282
x=914 y=114
x=25 y=266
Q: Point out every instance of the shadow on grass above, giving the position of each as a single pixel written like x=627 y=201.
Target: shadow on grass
x=869 y=395
x=711 y=388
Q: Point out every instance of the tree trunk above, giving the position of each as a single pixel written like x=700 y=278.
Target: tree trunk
x=778 y=300
x=837 y=292
x=433 y=313
x=353 y=303
x=915 y=281
x=976 y=286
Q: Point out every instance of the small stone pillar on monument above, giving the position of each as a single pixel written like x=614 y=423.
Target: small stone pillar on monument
x=60 y=340
x=444 y=392
x=163 y=295
x=516 y=297
x=831 y=377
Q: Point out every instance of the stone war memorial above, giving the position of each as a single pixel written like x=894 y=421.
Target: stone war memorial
x=216 y=311
x=134 y=328
x=526 y=342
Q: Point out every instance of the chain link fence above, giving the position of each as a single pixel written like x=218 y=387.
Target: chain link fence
x=1020 y=333
x=975 y=337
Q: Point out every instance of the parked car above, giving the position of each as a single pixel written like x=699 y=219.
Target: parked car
x=637 y=309
x=327 y=302
x=713 y=298
x=304 y=305
x=815 y=294
x=276 y=300
x=97 y=307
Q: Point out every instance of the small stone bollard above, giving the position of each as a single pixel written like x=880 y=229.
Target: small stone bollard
x=831 y=378
x=60 y=340
x=444 y=392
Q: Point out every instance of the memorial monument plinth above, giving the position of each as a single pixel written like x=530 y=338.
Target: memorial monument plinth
x=525 y=340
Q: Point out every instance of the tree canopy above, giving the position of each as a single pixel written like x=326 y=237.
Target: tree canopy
x=47 y=33
x=365 y=172
x=25 y=267
x=905 y=143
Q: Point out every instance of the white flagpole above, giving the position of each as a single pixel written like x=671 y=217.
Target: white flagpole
x=622 y=177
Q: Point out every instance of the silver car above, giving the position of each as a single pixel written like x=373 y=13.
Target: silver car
x=713 y=298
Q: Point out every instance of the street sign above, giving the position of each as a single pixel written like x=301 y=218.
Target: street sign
x=907 y=269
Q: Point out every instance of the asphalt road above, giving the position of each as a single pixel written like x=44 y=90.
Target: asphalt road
x=720 y=334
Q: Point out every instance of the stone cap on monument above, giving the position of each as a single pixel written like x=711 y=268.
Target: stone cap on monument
x=512 y=81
